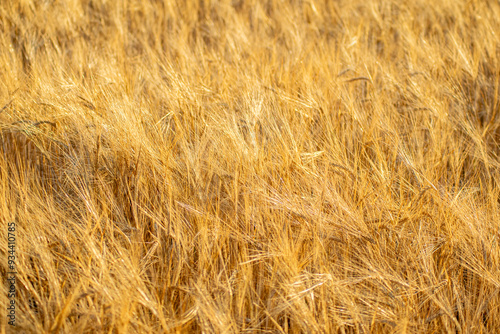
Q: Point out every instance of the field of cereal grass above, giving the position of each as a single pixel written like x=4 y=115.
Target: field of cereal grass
x=297 y=166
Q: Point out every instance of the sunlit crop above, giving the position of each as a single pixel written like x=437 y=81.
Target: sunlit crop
x=298 y=166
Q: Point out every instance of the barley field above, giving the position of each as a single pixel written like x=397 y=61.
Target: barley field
x=250 y=166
